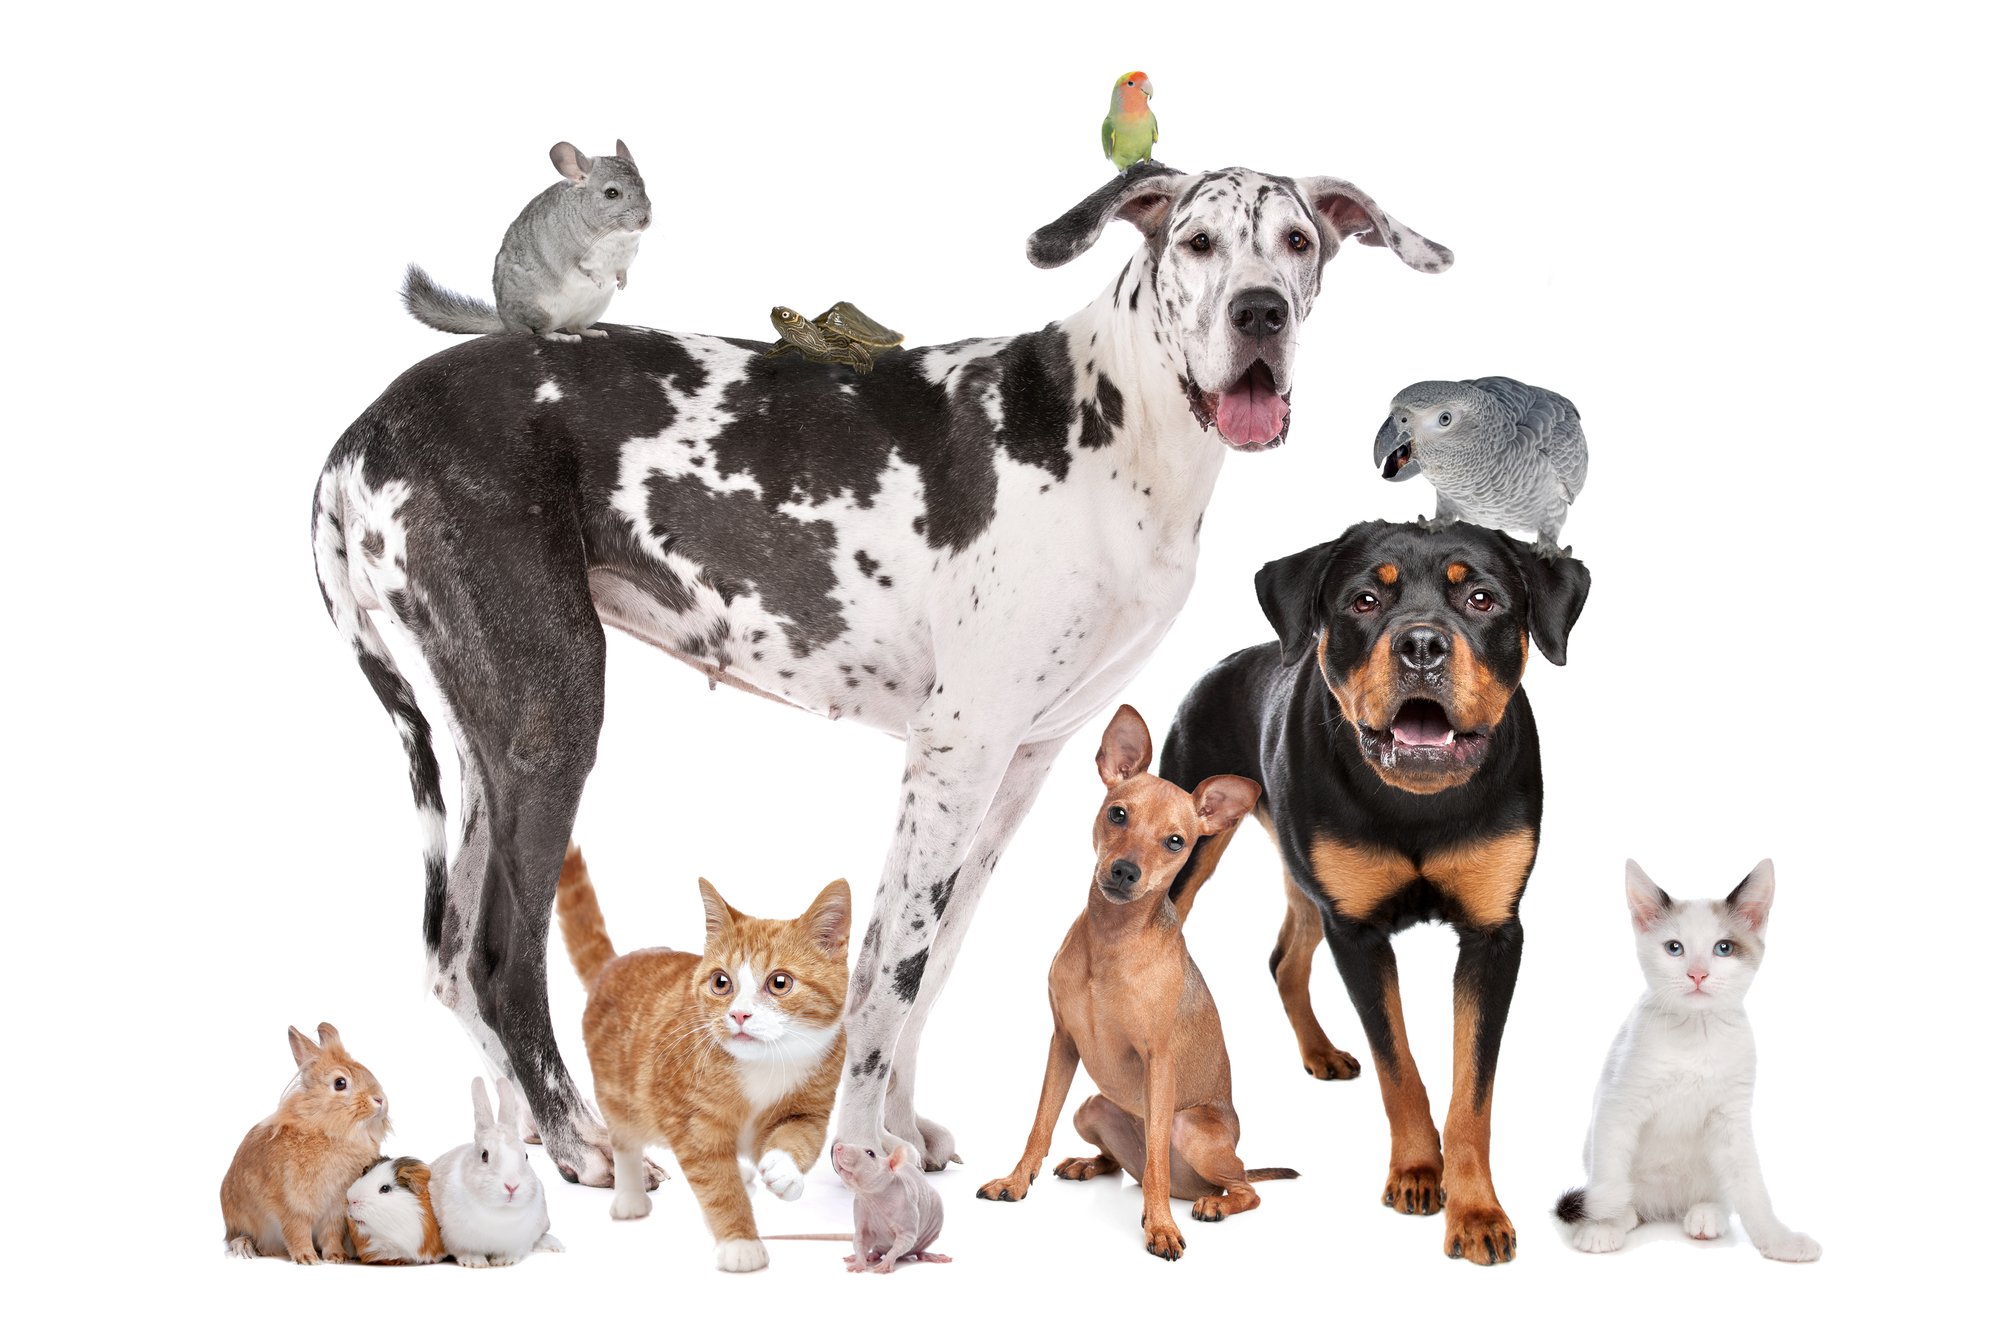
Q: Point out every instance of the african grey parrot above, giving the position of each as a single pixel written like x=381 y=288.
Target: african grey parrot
x=1501 y=453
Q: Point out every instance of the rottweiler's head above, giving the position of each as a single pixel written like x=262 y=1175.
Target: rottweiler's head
x=1422 y=636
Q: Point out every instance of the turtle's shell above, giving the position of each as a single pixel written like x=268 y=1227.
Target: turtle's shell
x=847 y=321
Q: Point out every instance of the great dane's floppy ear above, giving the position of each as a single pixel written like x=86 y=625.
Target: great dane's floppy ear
x=1557 y=588
x=1143 y=195
x=1289 y=591
x=1346 y=211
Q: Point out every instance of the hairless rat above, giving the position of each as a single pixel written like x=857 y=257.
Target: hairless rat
x=897 y=1212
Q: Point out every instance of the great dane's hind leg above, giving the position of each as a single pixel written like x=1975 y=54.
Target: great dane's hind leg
x=954 y=908
x=950 y=776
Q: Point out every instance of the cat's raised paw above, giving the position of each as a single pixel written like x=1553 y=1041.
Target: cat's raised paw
x=1415 y=1190
x=1706 y=1221
x=1795 y=1248
x=741 y=1256
x=781 y=1175
x=1481 y=1234
x=1599 y=1237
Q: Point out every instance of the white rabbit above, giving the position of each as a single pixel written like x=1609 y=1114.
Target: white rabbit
x=488 y=1199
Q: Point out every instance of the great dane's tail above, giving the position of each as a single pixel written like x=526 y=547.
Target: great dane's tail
x=442 y=308
x=330 y=523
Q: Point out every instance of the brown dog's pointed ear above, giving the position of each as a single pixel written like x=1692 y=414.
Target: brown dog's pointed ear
x=303 y=1050
x=1127 y=747
x=1143 y=194
x=1346 y=211
x=1557 y=587
x=1290 y=592
x=1222 y=802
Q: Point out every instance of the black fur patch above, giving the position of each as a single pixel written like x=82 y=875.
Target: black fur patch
x=1569 y=1208
x=940 y=892
x=910 y=975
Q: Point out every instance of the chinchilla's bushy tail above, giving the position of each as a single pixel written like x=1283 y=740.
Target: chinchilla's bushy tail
x=1569 y=1208
x=444 y=309
x=583 y=929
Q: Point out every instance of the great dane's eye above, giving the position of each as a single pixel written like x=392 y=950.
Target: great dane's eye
x=1299 y=241
x=1175 y=842
x=719 y=983
x=1674 y=948
x=1116 y=814
x=611 y=192
x=1199 y=243
x=1444 y=419
x=1366 y=602
x=1481 y=600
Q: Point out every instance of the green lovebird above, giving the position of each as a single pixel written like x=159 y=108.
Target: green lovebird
x=1130 y=130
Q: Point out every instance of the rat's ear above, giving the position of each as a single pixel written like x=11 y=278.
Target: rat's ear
x=897 y=1158
x=572 y=164
x=1127 y=747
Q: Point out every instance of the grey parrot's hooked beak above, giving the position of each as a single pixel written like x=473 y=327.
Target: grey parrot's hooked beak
x=1392 y=452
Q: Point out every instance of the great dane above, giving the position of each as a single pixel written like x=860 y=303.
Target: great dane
x=975 y=547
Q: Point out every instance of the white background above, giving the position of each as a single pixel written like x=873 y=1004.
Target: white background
x=1747 y=246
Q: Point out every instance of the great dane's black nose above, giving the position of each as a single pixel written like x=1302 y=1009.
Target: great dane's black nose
x=1260 y=311
x=1124 y=874
x=1422 y=647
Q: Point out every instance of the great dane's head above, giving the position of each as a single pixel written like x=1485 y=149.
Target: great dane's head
x=1232 y=262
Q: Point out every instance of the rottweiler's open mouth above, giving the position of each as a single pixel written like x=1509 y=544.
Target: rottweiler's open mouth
x=1397 y=461
x=1421 y=735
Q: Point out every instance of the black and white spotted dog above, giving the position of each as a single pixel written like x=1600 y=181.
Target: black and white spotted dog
x=974 y=548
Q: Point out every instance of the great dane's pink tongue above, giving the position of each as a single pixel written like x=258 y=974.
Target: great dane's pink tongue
x=1250 y=411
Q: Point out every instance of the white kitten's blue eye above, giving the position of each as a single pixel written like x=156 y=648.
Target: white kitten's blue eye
x=1723 y=948
x=1674 y=948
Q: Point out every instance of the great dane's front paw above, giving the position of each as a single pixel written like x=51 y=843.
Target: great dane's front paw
x=1329 y=1062
x=1415 y=1190
x=1084 y=1168
x=582 y=1156
x=1164 y=1239
x=1007 y=1189
x=937 y=1144
x=1480 y=1233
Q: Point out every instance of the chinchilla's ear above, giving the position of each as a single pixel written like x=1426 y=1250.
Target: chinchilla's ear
x=626 y=153
x=1143 y=195
x=573 y=165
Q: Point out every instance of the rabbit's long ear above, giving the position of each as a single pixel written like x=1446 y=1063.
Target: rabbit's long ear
x=482 y=1110
x=510 y=1106
x=303 y=1050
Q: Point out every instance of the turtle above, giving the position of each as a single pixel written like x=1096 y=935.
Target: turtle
x=846 y=319
x=815 y=343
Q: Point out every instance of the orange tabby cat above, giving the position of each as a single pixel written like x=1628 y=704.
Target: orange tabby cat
x=729 y=1057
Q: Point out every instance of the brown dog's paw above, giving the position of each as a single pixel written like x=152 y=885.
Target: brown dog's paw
x=1164 y=1239
x=1007 y=1189
x=1210 y=1208
x=1330 y=1063
x=1415 y=1190
x=1084 y=1168
x=1481 y=1234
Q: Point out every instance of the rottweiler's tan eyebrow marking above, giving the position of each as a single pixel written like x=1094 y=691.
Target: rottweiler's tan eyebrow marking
x=1456 y=571
x=1388 y=572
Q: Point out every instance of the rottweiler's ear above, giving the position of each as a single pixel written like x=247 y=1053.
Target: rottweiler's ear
x=1556 y=590
x=1143 y=194
x=1289 y=591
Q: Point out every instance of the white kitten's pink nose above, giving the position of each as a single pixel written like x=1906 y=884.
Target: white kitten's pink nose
x=1697 y=975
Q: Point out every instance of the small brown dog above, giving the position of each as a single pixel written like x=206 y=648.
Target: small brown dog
x=1130 y=1003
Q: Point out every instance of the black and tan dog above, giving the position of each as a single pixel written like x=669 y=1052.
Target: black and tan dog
x=1402 y=782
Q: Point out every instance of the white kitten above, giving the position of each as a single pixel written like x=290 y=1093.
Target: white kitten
x=1670 y=1133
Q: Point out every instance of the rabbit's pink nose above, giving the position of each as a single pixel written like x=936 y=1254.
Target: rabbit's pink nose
x=511 y=1189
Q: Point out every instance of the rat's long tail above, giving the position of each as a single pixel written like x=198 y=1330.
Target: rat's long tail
x=583 y=932
x=1271 y=1173
x=444 y=309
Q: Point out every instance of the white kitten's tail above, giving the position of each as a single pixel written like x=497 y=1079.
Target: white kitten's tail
x=444 y=309
x=1570 y=1207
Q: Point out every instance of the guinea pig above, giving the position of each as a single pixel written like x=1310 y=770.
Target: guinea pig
x=389 y=1214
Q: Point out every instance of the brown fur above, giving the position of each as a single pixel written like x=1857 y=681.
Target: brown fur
x=655 y=1029
x=1388 y=573
x=1131 y=1006
x=1359 y=879
x=285 y=1193
x=1484 y=879
x=1476 y=1227
x=414 y=1176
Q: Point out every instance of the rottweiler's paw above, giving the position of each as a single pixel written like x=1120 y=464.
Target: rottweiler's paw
x=1329 y=1063
x=1415 y=1190
x=1165 y=1240
x=1481 y=1234
x=1084 y=1168
x=1007 y=1189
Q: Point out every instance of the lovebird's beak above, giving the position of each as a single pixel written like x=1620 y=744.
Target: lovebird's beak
x=1146 y=87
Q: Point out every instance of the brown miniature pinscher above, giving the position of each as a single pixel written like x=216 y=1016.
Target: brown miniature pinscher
x=1130 y=1003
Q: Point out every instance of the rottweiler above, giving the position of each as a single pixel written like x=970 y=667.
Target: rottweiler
x=1402 y=782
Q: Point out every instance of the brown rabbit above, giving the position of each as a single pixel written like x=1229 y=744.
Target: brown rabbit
x=286 y=1190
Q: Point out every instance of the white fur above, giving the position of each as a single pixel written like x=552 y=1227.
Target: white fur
x=394 y=1222
x=1670 y=1134
x=587 y=289
x=483 y=1223
x=782 y=1175
x=741 y=1256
